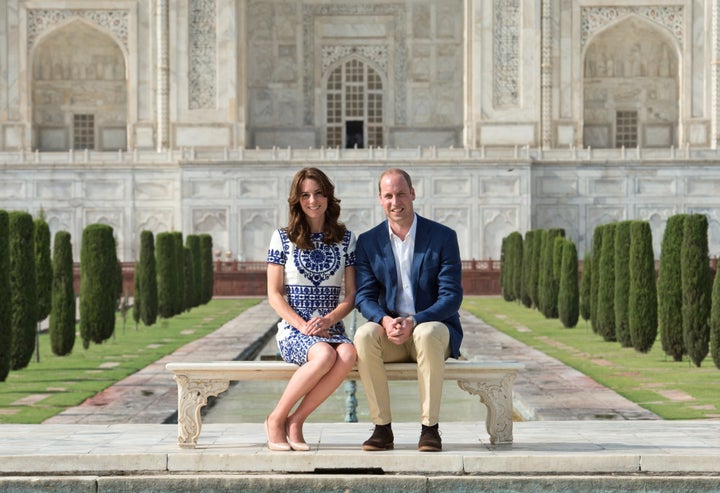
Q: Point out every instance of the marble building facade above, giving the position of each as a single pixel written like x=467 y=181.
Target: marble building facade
x=193 y=115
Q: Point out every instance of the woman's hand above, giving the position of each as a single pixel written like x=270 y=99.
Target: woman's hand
x=317 y=326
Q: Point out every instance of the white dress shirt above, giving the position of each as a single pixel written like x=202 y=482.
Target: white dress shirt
x=403 y=252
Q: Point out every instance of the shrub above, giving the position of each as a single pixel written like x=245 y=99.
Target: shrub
x=670 y=299
x=605 y=316
x=622 y=283
x=166 y=269
x=145 y=305
x=5 y=296
x=98 y=284
x=207 y=273
x=547 y=279
x=62 y=312
x=585 y=287
x=642 y=306
x=595 y=279
x=193 y=243
x=43 y=269
x=188 y=289
x=715 y=321
x=505 y=268
x=696 y=287
x=538 y=239
x=23 y=295
x=179 y=273
x=528 y=247
x=568 y=294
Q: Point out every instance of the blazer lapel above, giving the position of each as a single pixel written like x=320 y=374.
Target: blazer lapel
x=422 y=239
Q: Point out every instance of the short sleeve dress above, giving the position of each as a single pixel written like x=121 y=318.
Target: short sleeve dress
x=313 y=283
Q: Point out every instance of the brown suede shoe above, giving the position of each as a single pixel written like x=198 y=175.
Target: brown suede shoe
x=381 y=439
x=430 y=439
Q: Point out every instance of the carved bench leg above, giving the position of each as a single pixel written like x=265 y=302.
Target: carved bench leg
x=192 y=397
x=497 y=397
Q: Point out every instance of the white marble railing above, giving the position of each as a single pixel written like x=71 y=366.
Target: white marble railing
x=428 y=154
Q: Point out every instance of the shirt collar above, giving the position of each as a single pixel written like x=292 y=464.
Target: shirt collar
x=411 y=233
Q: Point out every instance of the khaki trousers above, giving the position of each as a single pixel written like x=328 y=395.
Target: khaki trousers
x=429 y=347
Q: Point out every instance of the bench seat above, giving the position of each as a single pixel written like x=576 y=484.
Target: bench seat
x=491 y=381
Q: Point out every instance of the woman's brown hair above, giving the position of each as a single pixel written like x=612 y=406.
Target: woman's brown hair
x=298 y=229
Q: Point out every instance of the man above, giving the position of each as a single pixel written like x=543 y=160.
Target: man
x=409 y=288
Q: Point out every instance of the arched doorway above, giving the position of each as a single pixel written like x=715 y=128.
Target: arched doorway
x=630 y=87
x=354 y=106
x=79 y=95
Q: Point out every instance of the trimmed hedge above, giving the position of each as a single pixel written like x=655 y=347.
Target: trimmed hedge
x=715 y=321
x=166 y=269
x=5 y=299
x=43 y=269
x=585 y=287
x=696 y=287
x=568 y=294
x=528 y=248
x=670 y=299
x=207 y=272
x=596 y=256
x=642 y=307
x=62 y=312
x=622 y=283
x=98 y=284
x=23 y=294
x=145 y=304
x=605 y=316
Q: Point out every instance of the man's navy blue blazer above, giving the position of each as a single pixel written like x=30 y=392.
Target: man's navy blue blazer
x=436 y=276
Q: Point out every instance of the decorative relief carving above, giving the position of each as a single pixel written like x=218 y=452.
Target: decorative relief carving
x=40 y=20
x=202 y=54
x=497 y=397
x=192 y=397
x=378 y=54
x=593 y=19
x=506 y=52
x=311 y=12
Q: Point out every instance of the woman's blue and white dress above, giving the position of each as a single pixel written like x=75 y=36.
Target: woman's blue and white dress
x=313 y=283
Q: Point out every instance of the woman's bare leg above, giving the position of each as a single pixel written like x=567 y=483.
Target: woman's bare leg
x=331 y=380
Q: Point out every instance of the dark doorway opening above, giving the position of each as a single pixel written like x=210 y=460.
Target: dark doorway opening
x=354 y=134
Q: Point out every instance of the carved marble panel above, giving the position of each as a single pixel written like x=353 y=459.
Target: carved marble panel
x=202 y=54
x=451 y=187
x=111 y=217
x=650 y=186
x=157 y=220
x=498 y=186
x=357 y=219
x=153 y=189
x=457 y=218
x=256 y=227
x=257 y=188
x=213 y=221
x=208 y=189
x=12 y=189
x=608 y=186
x=54 y=189
x=104 y=189
x=115 y=21
x=699 y=187
x=557 y=186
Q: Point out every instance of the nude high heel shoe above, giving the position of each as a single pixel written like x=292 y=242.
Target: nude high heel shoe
x=298 y=446
x=275 y=446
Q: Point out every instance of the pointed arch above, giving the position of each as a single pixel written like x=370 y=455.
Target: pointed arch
x=631 y=85
x=354 y=103
x=79 y=88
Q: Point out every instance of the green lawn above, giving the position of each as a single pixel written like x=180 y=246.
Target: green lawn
x=45 y=388
x=672 y=390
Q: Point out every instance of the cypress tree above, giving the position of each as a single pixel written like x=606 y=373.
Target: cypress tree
x=23 y=295
x=622 y=283
x=179 y=273
x=505 y=289
x=146 y=275
x=715 y=321
x=193 y=243
x=207 y=271
x=43 y=268
x=188 y=278
x=516 y=247
x=165 y=261
x=696 y=287
x=669 y=284
x=585 y=287
x=606 y=285
x=528 y=246
x=568 y=293
x=137 y=293
x=642 y=307
x=547 y=280
x=538 y=241
x=5 y=296
x=595 y=279
x=98 y=284
x=62 y=313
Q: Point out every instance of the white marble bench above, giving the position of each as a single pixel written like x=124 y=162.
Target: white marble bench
x=491 y=381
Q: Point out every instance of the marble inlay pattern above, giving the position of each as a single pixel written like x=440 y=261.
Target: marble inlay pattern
x=376 y=53
x=310 y=12
x=506 y=49
x=40 y=20
x=202 y=54
x=669 y=16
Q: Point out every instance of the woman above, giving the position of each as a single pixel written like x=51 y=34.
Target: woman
x=309 y=263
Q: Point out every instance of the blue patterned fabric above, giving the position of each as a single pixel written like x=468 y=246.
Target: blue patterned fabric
x=313 y=285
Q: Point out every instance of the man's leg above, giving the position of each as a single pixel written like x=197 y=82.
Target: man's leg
x=374 y=350
x=432 y=347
